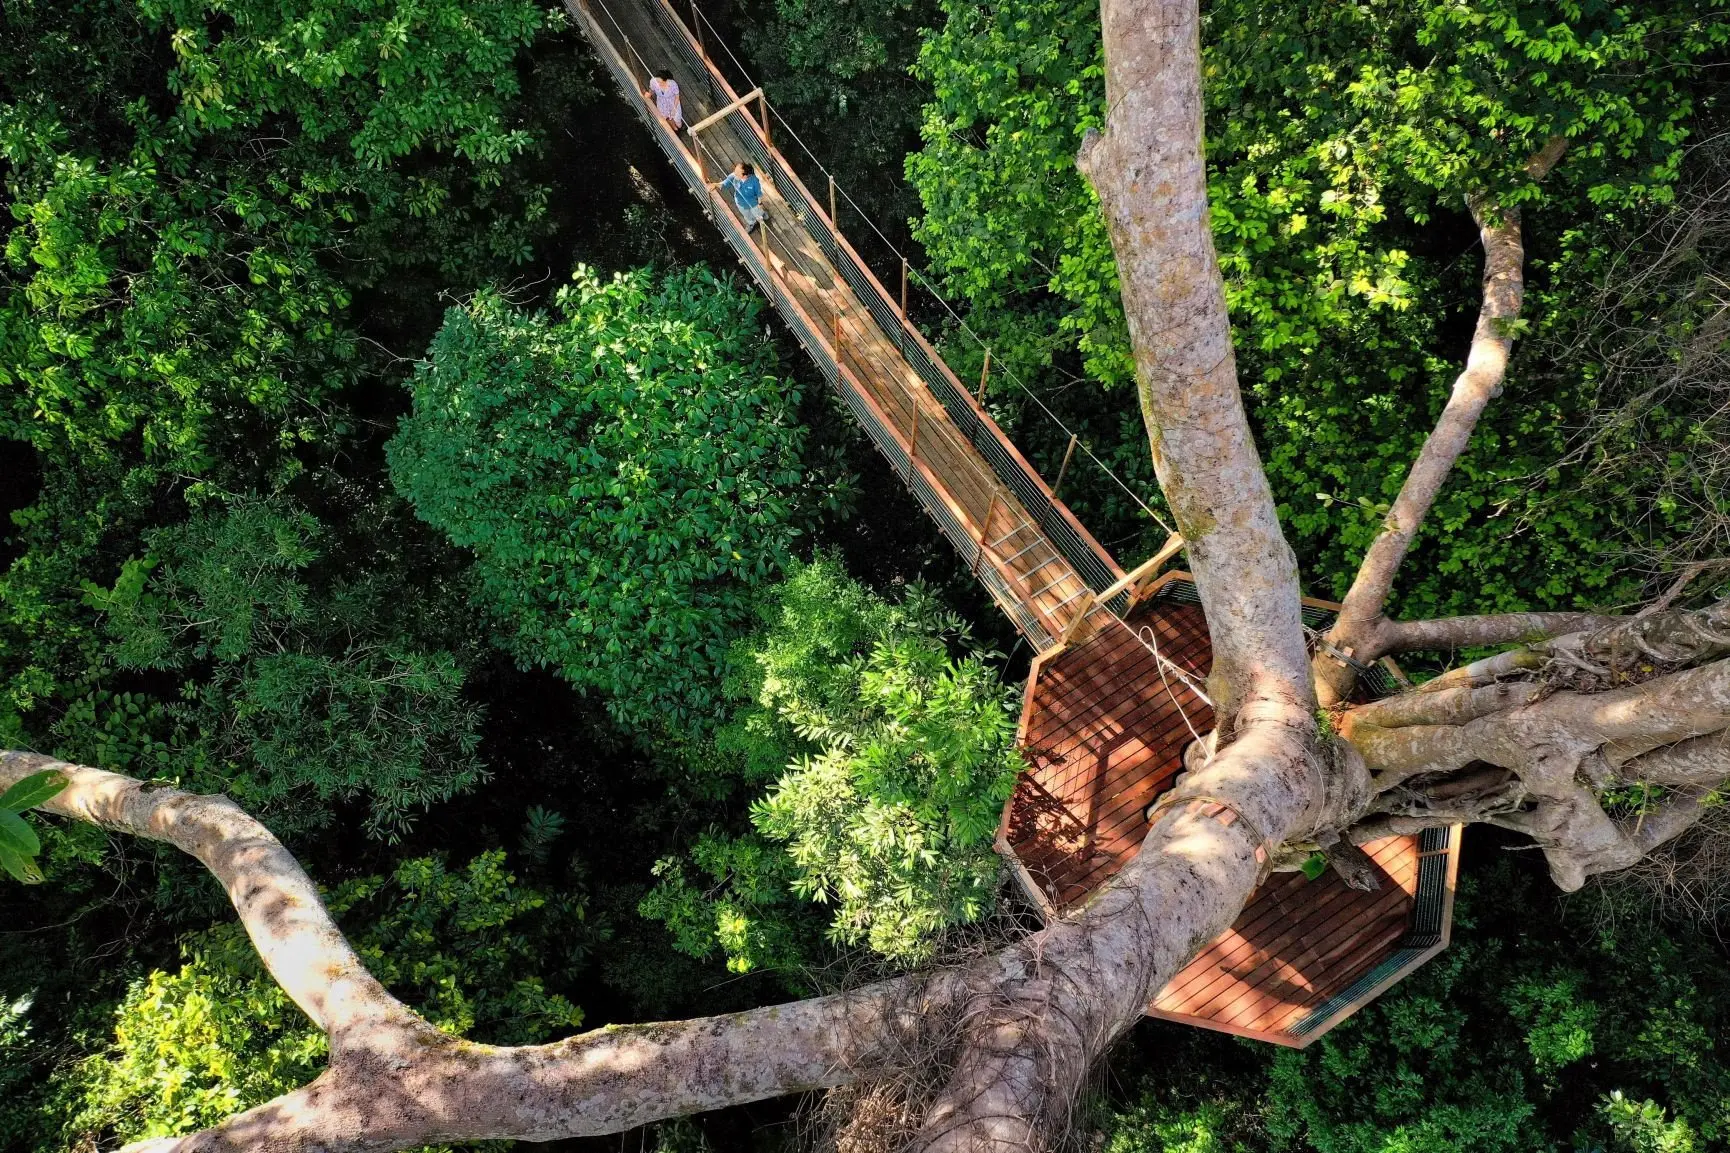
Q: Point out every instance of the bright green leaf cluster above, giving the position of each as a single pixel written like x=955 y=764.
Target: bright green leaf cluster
x=892 y=758
x=193 y=1046
x=625 y=471
x=19 y=843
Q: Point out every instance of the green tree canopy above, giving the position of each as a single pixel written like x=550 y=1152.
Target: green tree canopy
x=891 y=757
x=624 y=469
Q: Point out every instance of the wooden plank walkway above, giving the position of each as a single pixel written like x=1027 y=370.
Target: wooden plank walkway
x=1035 y=558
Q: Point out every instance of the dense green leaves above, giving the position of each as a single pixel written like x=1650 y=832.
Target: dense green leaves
x=624 y=470
x=466 y=947
x=19 y=843
x=317 y=690
x=1343 y=141
x=892 y=757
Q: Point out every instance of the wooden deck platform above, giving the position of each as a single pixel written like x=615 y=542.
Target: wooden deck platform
x=1104 y=724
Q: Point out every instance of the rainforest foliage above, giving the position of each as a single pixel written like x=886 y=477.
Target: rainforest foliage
x=553 y=614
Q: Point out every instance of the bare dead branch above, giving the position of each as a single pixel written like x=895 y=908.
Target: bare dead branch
x=1446 y=633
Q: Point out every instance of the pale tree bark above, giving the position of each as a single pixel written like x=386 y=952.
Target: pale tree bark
x=394 y=1081
x=1362 y=633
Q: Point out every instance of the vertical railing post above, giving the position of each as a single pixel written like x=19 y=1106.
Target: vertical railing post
x=702 y=161
x=763 y=114
x=1064 y=467
x=984 y=375
x=913 y=437
x=834 y=222
x=903 y=290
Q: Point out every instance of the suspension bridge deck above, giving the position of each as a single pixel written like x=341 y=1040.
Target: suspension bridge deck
x=1038 y=562
x=1116 y=691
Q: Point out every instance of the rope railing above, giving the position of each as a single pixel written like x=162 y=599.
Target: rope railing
x=1077 y=545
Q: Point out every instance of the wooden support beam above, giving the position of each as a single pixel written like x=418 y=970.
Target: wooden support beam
x=913 y=437
x=903 y=290
x=1064 y=467
x=763 y=112
x=984 y=375
x=1139 y=574
x=1076 y=622
x=834 y=221
x=724 y=112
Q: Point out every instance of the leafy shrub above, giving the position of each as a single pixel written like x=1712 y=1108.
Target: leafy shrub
x=624 y=471
x=892 y=757
x=313 y=695
x=218 y=1035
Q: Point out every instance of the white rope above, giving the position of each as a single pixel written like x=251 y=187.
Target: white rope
x=1151 y=643
x=647 y=71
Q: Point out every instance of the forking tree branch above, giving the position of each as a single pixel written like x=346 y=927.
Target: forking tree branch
x=395 y=1081
x=1358 y=630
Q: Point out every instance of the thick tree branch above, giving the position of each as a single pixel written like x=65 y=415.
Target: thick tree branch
x=1486 y=366
x=1563 y=748
x=1149 y=172
x=1445 y=633
x=395 y=1081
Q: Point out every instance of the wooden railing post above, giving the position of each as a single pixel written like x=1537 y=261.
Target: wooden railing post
x=763 y=113
x=834 y=221
x=903 y=290
x=913 y=437
x=838 y=356
x=1064 y=467
x=1135 y=578
x=984 y=375
x=1076 y=621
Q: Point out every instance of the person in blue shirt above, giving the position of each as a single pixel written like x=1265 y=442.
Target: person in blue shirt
x=747 y=193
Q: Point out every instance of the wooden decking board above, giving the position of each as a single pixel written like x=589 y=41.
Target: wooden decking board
x=1348 y=940
x=1231 y=962
x=1338 y=920
x=1071 y=755
x=1105 y=735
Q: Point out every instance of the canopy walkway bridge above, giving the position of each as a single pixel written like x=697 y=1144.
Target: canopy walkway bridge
x=1116 y=691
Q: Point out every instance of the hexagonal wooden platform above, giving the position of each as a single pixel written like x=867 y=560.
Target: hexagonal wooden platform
x=1103 y=727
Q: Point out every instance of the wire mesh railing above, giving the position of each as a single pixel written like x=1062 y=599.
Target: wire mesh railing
x=903 y=440
x=909 y=268
x=696 y=38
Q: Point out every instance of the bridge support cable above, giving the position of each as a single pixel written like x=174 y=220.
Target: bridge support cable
x=695 y=39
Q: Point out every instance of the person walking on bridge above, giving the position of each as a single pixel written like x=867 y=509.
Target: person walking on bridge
x=747 y=193
x=664 y=91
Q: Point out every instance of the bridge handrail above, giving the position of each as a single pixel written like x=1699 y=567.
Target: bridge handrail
x=884 y=432
x=1090 y=559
